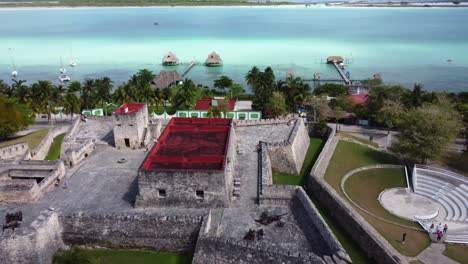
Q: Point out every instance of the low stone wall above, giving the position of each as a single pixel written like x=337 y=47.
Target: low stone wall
x=40 y=152
x=267 y=175
x=156 y=231
x=14 y=151
x=314 y=217
x=299 y=140
x=99 y=118
x=36 y=243
x=73 y=156
x=271 y=121
x=277 y=195
x=218 y=251
x=74 y=127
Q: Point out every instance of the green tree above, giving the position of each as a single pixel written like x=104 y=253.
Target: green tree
x=22 y=92
x=263 y=84
x=223 y=82
x=13 y=116
x=331 y=89
x=41 y=93
x=427 y=130
x=186 y=96
x=236 y=90
x=88 y=94
x=295 y=91
x=71 y=104
x=103 y=90
x=318 y=108
x=6 y=90
x=390 y=114
x=276 y=106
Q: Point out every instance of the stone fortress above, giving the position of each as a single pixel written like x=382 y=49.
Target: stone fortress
x=204 y=186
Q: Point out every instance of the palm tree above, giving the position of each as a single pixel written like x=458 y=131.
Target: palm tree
x=74 y=86
x=41 y=94
x=87 y=94
x=71 y=104
x=103 y=90
x=22 y=92
x=186 y=96
x=6 y=90
x=166 y=96
x=252 y=76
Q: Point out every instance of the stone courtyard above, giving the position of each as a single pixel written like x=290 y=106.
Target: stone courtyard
x=95 y=206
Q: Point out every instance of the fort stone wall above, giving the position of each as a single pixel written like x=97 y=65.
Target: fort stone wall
x=156 y=231
x=14 y=151
x=132 y=127
x=40 y=152
x=36 y=243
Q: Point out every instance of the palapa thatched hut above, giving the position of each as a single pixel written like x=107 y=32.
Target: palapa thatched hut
x=336 y=59
x=213 y=60
x=166 y=79
x=170 y=59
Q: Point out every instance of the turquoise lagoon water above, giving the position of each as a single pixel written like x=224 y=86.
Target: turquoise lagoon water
x=405 y=45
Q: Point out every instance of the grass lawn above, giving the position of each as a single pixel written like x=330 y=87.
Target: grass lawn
x=118 y=256
x=33 y=139
x=364 y=188
x=349 y=156
x=457 y=253
x=360 y=139
x=416 y=262
x=312 y=154
x=55 y=147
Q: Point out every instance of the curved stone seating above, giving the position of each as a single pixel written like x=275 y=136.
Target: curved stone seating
x=431 y=192
x=448 y=188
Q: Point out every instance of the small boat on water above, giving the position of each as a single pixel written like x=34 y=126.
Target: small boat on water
x=62 y=70
x=64 y=78
x=156 y=23
x=14 y=73
x=72 y=60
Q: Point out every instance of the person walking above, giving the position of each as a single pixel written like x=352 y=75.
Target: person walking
x=445 y=228
x=403 y=239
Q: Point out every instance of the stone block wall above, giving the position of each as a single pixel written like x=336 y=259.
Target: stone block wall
x=131 y=126
x=277 y=195
x=180 y=189
x=40 y=152
x=313 y=218
x=155 y=231
x=73 y=155
x=217 y=251
x=14 y=151
x=267 y=174
x=299 y=140
x=36 y=243
x=288 y=156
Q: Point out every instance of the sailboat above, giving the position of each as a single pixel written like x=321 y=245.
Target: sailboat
x=72 y=60
x=14 y=73
x=62 y=69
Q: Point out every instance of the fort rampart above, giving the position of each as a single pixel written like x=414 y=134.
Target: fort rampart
x=14 y=151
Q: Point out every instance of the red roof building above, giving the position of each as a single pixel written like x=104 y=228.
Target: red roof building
x=191 y=165
x=195 y=144
x=207 y=103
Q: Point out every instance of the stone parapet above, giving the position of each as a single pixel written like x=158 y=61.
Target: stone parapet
x=40 y=152
x=14 y=151
x=36 y=243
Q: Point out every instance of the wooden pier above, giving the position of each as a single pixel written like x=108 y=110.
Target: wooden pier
x=189 y=67
x=342 y=74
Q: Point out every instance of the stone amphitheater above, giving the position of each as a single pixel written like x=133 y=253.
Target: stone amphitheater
x=94 y=203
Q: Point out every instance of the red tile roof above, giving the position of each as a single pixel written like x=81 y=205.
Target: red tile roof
x=190 y=144
x=205 y=103
x=129 y=108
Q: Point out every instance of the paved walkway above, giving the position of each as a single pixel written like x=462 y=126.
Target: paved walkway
x=433 y=255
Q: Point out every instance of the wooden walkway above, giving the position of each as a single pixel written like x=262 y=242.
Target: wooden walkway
x=342 y=74
x=189 y=67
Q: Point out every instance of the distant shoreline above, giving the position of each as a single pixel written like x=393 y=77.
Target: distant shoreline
x=16 y=6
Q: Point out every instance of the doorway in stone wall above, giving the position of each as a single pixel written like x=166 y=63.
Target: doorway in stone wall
x=127 y=142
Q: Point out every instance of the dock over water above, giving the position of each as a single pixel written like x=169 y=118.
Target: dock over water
x=189 y=67
x=342 y=74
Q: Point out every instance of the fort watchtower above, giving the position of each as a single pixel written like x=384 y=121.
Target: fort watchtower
x=131 y=125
